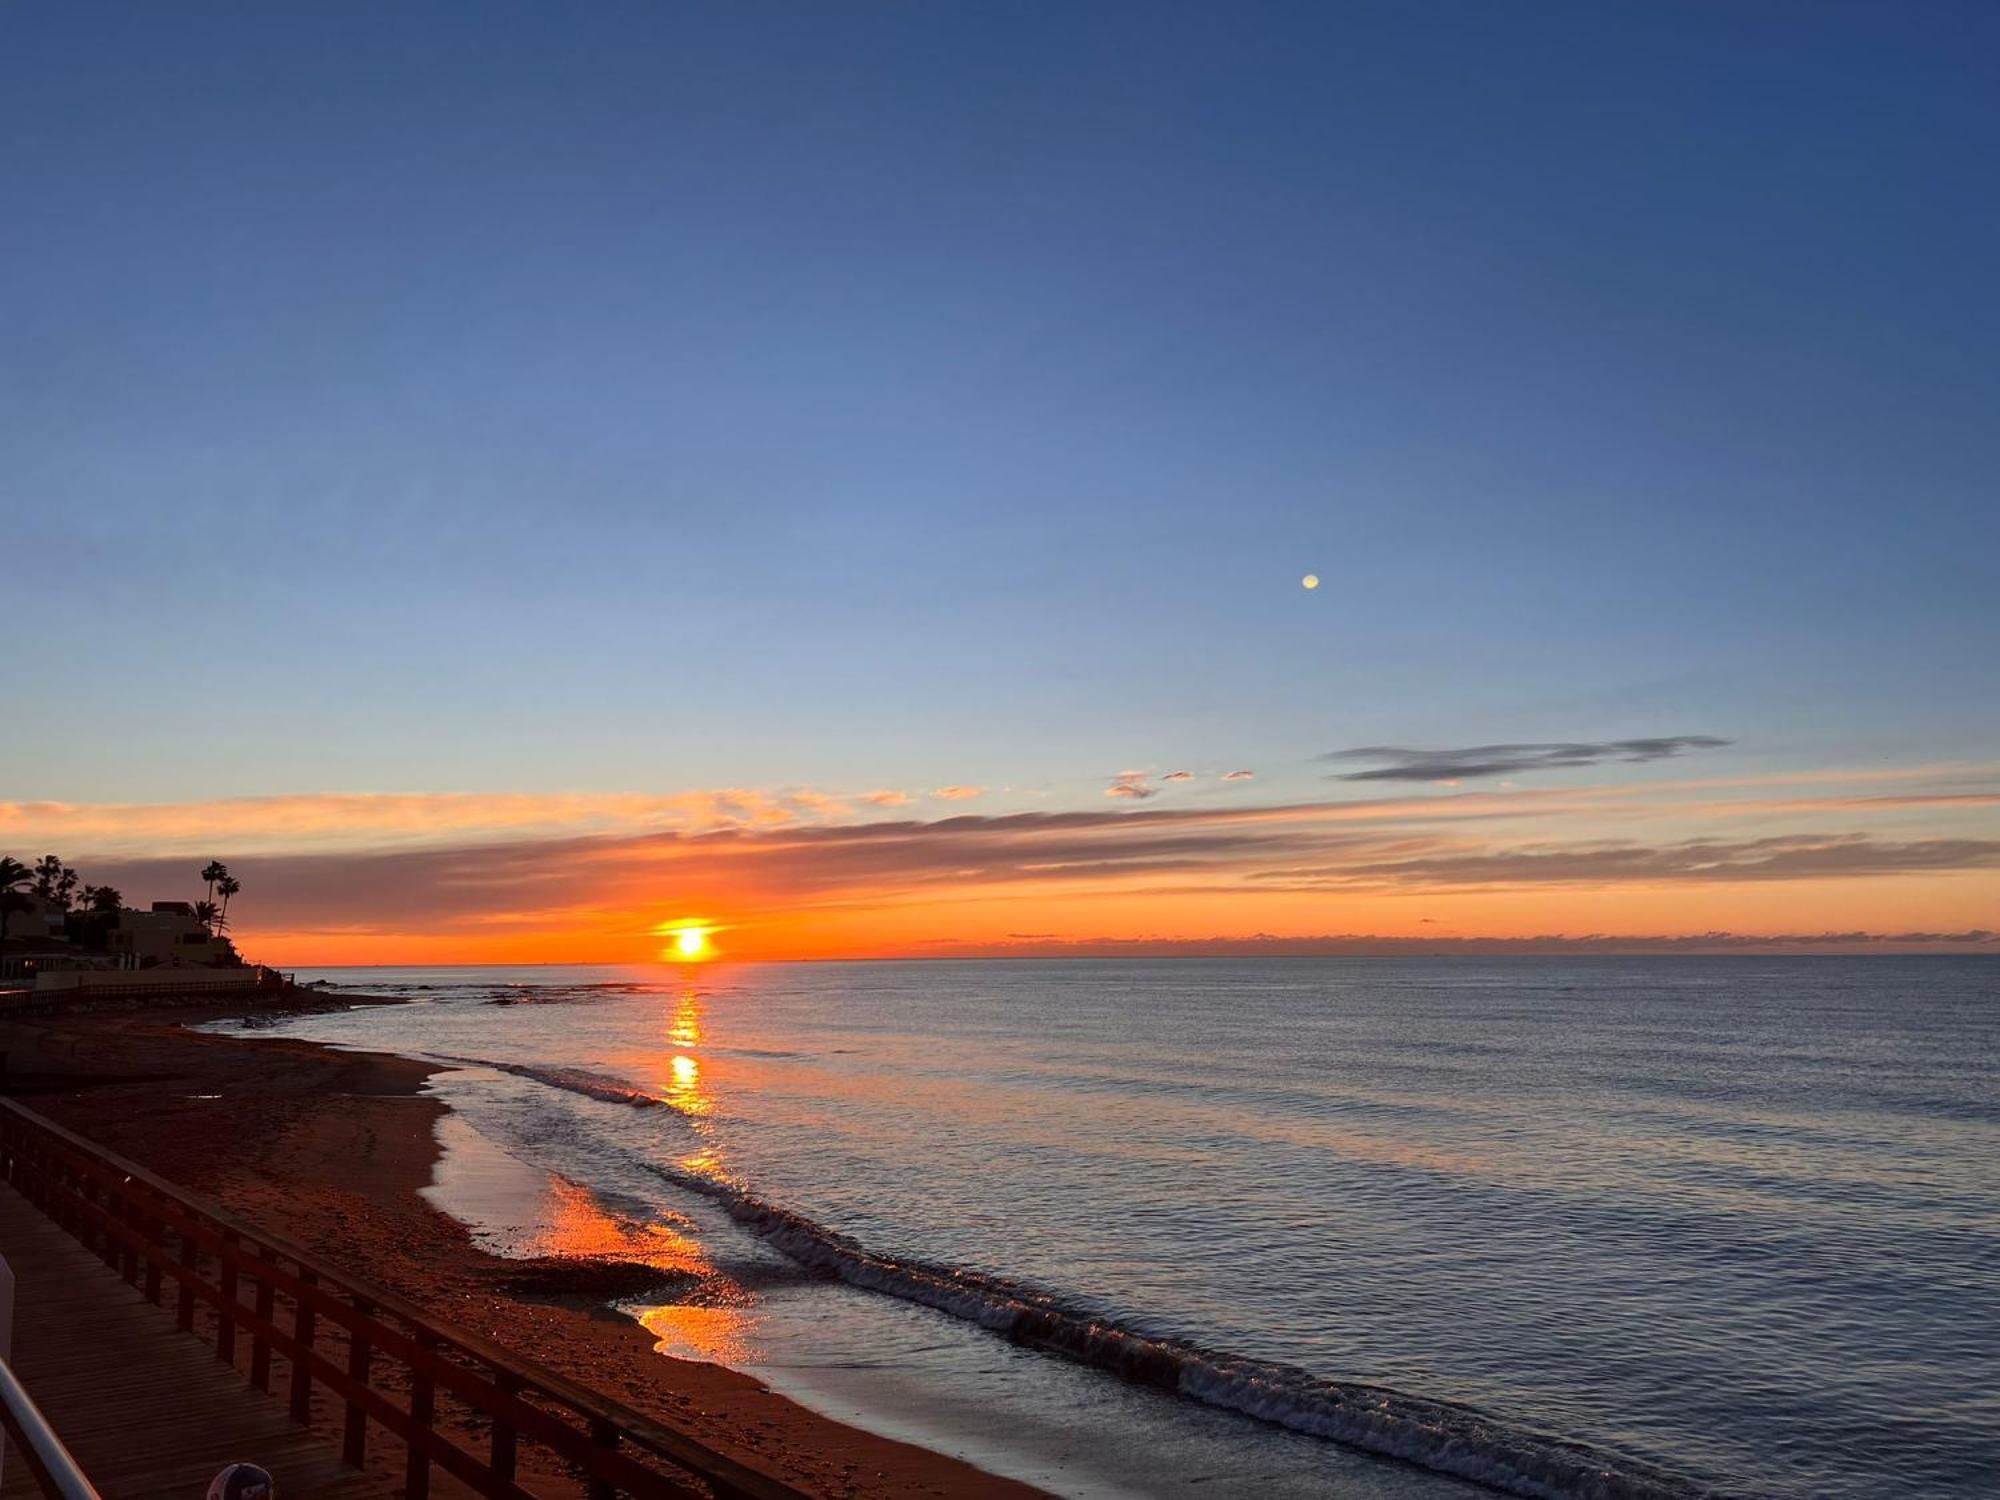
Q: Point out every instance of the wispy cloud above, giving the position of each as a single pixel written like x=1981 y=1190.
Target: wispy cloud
x=1238 y=775
x=885 y=798
x=1473 y=761
x=549 y=868
x=1130 y=784
x=373 y=820
x=1790 y=857
x=1384 y=945
x=793 y=868
x=959 y=793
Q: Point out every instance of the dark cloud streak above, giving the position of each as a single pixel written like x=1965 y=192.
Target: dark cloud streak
x=1474 y=761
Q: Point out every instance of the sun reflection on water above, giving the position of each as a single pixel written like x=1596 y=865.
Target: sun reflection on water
x=719 y=1333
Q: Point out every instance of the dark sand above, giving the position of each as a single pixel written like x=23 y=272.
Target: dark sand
x=329 y=1150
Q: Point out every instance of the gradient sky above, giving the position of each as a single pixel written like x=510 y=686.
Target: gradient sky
x=486 y=434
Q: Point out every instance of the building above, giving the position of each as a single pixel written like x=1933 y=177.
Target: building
x=42 y=923
x=169 y=934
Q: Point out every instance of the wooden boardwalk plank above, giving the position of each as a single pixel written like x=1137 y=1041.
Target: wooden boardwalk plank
x=148 y=1411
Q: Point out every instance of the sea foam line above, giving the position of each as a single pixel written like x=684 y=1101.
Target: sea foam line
x=1442 y=1436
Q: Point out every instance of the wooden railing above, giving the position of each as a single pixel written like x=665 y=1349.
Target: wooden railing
x=283 y=1302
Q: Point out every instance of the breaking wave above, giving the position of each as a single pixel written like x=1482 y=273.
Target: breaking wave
x=1445 y=1437
x=571 y=1080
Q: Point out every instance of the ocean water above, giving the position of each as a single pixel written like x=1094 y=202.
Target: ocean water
x=1554 y=1226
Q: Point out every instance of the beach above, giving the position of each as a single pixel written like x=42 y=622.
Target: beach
x=332 y=1148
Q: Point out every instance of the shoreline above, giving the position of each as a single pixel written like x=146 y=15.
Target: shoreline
x=334 y=1149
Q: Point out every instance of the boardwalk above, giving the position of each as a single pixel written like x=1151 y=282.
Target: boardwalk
x=149 y=1411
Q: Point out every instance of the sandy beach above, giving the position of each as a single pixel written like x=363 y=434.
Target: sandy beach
x=331 y=1149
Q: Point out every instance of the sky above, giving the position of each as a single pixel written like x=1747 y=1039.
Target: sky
x=509 y=477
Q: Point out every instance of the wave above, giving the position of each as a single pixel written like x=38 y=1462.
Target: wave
x=1445 y=1437
x=570 y=1080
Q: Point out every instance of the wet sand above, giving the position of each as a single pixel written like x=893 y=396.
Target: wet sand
x=331 y=1149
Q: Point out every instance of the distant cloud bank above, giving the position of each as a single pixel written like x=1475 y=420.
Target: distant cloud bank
x=1355 y=945
x=1361 y=945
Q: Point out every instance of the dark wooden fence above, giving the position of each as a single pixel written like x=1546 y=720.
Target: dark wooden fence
x=260 y=1291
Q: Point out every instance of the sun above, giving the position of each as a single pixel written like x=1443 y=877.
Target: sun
x=687 y=942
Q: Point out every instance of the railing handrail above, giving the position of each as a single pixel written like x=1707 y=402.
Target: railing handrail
x=676 y=1447
x=56 y=1471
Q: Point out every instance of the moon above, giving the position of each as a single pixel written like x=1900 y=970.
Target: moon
x=1310 y=581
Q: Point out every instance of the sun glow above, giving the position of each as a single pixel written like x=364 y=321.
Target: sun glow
x=687 y=942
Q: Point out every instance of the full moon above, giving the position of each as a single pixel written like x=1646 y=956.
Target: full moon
x=1311 y=581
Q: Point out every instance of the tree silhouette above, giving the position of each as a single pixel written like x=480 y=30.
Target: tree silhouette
x=213 y=871
x=54 y=880
x=226 y=887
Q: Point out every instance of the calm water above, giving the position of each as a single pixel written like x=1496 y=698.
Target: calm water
x=1565 y=1226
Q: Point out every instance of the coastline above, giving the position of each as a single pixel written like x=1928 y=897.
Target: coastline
x=333 y=1148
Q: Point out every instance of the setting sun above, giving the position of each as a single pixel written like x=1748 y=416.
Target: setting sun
x=687 y=944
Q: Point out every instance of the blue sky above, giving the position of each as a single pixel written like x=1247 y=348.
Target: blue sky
x=647 y=396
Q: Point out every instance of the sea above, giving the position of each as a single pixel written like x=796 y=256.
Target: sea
x=1550 y=1226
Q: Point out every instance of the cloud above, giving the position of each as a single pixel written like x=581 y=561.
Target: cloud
x=1238 y=775
x=1499 y=760
x=1130 y=784
x=1786 y=857
x=959 y=793
x=1367 y=945
x=1178 y=776
x=886 y=798
x=376 y=820
x=606 y=883
x=481 y=868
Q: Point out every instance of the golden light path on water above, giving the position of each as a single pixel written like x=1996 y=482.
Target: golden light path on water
x=714 y=1323
x=715 y=1327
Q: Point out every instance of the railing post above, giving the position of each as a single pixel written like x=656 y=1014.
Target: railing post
x=190 y=1257
x=303 y=1324
x=423 y=1410
x=605 y=1436
x=501 y=1457
x=156 y=1246
x=102 y=1198
x=260 y=1342
x=354 y=1439
x=225 y=1327
x=129 y=1221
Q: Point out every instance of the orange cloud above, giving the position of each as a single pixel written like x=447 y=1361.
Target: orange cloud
x=1485 y=861
x=369 y=820
x=959 y=793
x=503 y=878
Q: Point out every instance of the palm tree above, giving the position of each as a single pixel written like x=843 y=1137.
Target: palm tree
x=213 y=871
x=226 y=887
x=54 y=880
x=208 y=914
x=13 y=873
x=106 y=900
